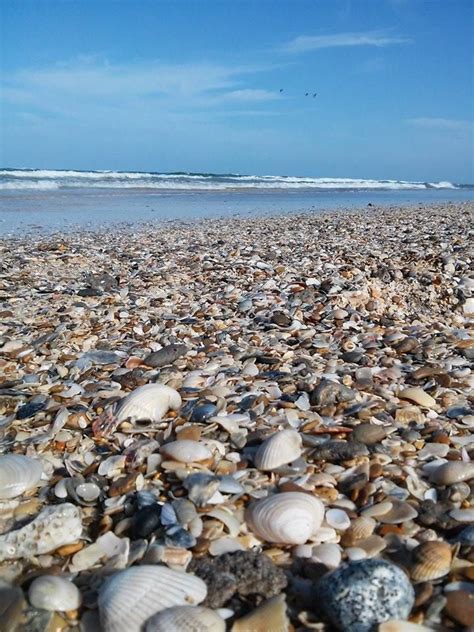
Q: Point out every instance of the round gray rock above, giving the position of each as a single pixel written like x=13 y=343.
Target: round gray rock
x=358 y=596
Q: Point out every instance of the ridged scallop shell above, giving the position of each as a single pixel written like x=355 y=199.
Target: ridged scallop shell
x=131 y=597
x=151 y=401
x=191 y=618
x=18 y=474
x=281 y=448
x=453 y=472
x=186 y=451
x=50 y=592
x=54 y=527
x=270 y=616
x=431 y=560
x=360 y=529
x=286 y=518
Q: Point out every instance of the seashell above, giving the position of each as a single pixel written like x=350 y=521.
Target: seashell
x=166 y=355
x=355 y=553
x=180 y=618
x=400 y=512
x=129 y=598
x=18 y=474
x=151 y=402
x=88 y=491
x=337 y=519
x=360 y=528
x=419 y=396
x=281 y=448
x=271 y=615
x=186 y=451
x=50 y=592
x=328 y=554
x=431 y=560
x=463 y=515
x=55 y=526
x=378 y=510
x=373 y=545
x=453 y=472
x=286 y=518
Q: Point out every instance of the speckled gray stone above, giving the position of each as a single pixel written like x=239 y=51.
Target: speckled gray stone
x=359 y=595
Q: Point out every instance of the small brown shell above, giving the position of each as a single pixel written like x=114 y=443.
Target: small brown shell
x=360 y=528
x=431 y=560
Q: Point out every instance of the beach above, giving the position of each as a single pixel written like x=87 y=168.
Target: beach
x=253 y=402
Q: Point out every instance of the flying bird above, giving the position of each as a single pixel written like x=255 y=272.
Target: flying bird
x=315 y=94
x=306 y=94
x=281 y=89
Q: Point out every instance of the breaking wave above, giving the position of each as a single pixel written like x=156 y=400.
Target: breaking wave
x=48 y=179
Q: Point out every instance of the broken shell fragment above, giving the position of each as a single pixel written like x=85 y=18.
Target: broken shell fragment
x=271 y=615
x=281 y=448
x=50 y=592
x=55 y=526
x=18 y=474
x=419 y=396
x=286 y=518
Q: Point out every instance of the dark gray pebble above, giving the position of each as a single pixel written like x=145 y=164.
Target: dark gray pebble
x=358 y=596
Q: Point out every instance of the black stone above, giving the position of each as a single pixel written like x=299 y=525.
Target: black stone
x=146 y=521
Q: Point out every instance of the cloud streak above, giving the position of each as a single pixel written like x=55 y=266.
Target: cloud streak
x=307 y=43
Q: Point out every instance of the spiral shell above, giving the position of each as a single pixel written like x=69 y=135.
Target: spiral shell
x=18 y=474
x=271 y=615
x=179 y=618
x=431 y=560
x=129 y=598
x=286 y=518
x=281 y=448
x=186 y=451
x=151 y=401
x=55 y=526
x=54 y=593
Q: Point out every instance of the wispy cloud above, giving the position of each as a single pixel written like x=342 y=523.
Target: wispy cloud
x=306 y=43
x=441 y=123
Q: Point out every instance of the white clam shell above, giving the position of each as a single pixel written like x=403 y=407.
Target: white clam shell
x=286 y=518
x=129 y=598
x=151 y=401
x=453 y=472
x=50 y=592
x=328 y=554
x=186 y=451
x=18 y=474
x=180 y=618
x=338 y=519
x=55 y=526
x=281 y=448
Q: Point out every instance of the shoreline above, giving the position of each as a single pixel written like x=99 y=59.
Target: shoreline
x=350 y=330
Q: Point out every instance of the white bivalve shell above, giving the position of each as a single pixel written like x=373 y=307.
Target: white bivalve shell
x=180 y=618
x=151 y=401
x=286 y=518
x=55 y=526
x=50 y=592
x=186 y=451
x=18 y=474
x=128 y=599
x=281 y=448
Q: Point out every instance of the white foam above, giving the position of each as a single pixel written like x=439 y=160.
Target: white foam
x=52 y=179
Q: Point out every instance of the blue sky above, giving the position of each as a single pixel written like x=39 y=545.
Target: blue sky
x=195 y=85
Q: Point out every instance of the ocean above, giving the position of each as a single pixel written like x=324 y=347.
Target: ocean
x=50 y=200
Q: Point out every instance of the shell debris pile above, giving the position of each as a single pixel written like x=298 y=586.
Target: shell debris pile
x=214 y=424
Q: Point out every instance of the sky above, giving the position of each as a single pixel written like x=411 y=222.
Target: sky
x=219 y=86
